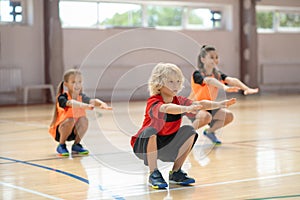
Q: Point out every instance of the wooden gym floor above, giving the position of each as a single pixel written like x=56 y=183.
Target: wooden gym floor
x=259 y=157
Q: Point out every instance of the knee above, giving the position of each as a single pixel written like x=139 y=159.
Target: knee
x=69 y=122
x=207 y=118
x=204 y=117
x=83 y=121
x=229 y=117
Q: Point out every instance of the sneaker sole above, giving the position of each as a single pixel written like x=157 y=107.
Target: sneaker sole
x=63 y=154
x=161 y=186
x=182 y=183
x=81 y=153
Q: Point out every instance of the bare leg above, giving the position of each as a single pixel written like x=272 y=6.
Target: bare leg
x=222 y=118
x=183 y=153
x=65 y=129
x=202 y=118
x=152 y=153
x=81 y=127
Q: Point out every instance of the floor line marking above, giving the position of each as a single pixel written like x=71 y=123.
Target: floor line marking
x=29 y=191
x=117 y=197
x=221 y=183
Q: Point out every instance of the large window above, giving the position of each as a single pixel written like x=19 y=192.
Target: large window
x=277 y=19
x=164 y=16
x=204 y=18
x=98 y=14
x=120 y=14
x=11 y=11
x=78 y=14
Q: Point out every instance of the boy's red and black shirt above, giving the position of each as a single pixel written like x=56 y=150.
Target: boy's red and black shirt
x=164 y=123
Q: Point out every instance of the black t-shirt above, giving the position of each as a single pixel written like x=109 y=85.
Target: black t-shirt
x=63 y=98
x=199 y=77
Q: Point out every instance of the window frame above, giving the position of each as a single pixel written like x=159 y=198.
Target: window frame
x=276 y=28
x=24 y=21
x=144 y=4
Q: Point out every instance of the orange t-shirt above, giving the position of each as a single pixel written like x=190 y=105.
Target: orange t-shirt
x=65 y=113
x=203 y=91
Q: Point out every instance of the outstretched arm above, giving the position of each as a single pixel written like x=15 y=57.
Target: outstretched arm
x=175 y=109
x=237 y=83
x=101 y=104
x=77 y=104
x=218 y=84
x=211 y=105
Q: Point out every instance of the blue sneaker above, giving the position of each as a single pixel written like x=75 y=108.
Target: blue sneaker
x=156 y=180
x=62 y=150
x=77 y=148
x=212 y=137
x=180 y=178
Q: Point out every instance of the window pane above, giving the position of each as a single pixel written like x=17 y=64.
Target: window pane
x=18 y=9
x=78 y=14
x=291 y=20
x=164 y=16
x=201 y=18
x=120 y=14
x=18 y=18
x=5 y=10
x=264 y=19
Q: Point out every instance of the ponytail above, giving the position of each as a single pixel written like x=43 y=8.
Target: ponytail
x=60 y=90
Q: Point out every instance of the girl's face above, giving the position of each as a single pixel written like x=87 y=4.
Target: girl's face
x=215 y=57
x=210 y=60
x=172 y=85
x=74 y=83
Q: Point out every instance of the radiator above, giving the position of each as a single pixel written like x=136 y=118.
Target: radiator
x=10 y=79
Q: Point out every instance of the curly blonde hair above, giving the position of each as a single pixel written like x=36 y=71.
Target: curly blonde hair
x=160 y=74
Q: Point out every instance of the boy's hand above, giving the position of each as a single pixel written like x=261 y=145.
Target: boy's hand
x=251 y=91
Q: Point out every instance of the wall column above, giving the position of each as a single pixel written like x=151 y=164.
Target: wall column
x=248 y=43
x=53 y=41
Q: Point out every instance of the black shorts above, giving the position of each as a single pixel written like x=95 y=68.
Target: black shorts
x=71 y=137
x=167 y=146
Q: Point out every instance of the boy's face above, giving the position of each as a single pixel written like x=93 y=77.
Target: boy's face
x=172 y=85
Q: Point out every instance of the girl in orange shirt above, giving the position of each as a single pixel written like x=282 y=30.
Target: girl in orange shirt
x=69 y=120
x=205 y=83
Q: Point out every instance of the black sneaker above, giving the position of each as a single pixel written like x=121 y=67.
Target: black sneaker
x=156 y=180
x=180 y=178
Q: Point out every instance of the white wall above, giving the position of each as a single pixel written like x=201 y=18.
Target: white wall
x=278 y=56
x=22 y=47
x=79 y=44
